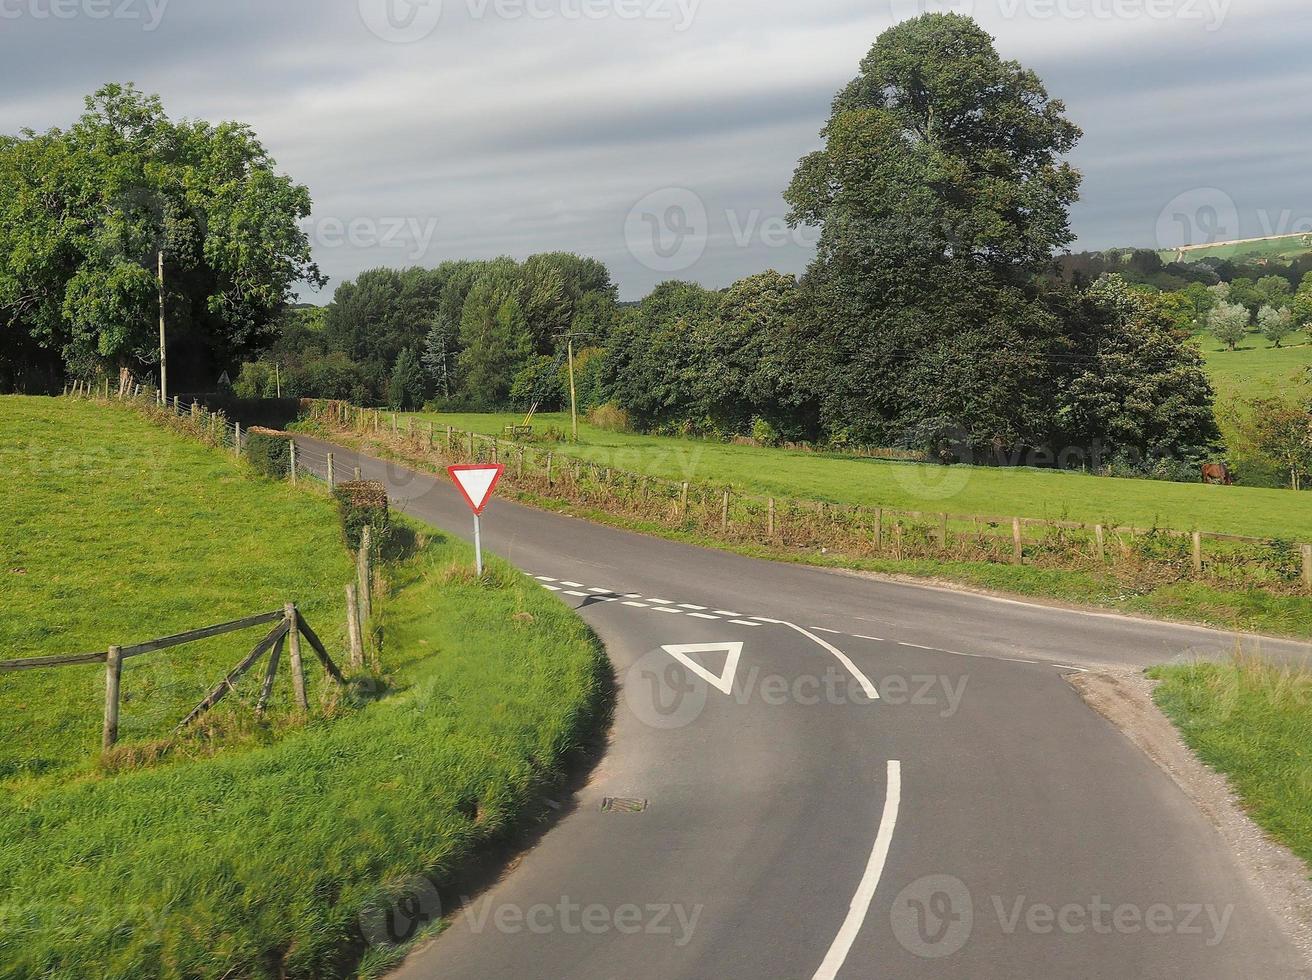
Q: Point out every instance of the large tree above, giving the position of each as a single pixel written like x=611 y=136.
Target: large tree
x=940 y=192
x=84 y=213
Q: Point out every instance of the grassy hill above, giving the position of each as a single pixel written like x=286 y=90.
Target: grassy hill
x=271 y=857
x=1282 y=248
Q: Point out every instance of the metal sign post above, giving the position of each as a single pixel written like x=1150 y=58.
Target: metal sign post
x=477 y=484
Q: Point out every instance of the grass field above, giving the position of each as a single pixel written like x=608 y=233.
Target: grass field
x=271 y=859
x=113 y=530
x=1253 y=723
x=1283 y=249
x=837 y=478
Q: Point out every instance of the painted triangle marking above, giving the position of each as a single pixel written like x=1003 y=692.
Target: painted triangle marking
x=724 y=681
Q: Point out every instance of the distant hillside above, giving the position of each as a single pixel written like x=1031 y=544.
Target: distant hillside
x=1284 y=248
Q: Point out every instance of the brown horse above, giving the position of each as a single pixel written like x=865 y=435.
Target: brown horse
x=1218 y=473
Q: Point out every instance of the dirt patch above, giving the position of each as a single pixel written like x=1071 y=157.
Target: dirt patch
x=1125 y=698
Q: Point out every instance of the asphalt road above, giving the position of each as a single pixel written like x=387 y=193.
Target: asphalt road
x=846 y=778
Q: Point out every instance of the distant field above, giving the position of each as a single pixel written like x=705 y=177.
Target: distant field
x=1256 y=369
x=1284 y=248
x=113 y=530
x=960 y=489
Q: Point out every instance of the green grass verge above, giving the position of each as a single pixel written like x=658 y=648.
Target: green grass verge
x=836 y=478
x=114 y=530
x=1252 y=722
x=260 y=862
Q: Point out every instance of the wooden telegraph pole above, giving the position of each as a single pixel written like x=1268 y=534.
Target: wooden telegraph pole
x=573 y=394
x=163 y=353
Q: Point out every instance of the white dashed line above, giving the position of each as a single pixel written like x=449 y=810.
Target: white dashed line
x=821 y=629
x=581 y=595
x=661 y=602
x=602 y=591
x=745 y=622
x=672 y=612
x=543 y=578
x=704 y=616
x=638 y=605
x=725 y=612
x=877 y=639
x=689 y=605
x=573 y=585
x=551 y=587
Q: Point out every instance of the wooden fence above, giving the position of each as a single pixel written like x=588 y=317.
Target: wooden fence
x=1139 y=555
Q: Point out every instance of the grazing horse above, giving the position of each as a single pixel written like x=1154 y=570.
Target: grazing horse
x=1218 y=473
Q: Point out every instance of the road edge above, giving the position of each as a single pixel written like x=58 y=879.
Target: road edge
x=1125 y=699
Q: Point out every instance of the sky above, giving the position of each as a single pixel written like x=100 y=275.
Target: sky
x=659 y=135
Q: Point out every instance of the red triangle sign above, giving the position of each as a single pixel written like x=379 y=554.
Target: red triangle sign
x=476 y=484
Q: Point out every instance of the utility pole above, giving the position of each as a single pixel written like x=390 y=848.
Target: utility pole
x=277 y=376
x=573 y=395
x=163 y=353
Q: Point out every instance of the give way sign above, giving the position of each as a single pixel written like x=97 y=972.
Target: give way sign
x=476 y=484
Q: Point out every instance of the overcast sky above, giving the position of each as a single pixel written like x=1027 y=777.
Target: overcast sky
x=658 y=135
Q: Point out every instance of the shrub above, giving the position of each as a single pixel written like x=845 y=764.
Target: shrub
x=270 y=452
x=764 y=433
x=610 y=417
x=360 y=504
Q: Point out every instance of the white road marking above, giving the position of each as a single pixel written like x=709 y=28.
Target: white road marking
x=543 y=578
x=821 y=629
x=581 y=595
x=917 y=646
x=638 y=605
x=551 y=587
x=573 y=585
x=877 y=639
x=726 y=612
x=871 y=691
x=745 y=622
x=704 y=616
x=672 y=612
x=865 y=893
x=689 y=605
x=724 y=682
x=602 y=591
x=661 y=602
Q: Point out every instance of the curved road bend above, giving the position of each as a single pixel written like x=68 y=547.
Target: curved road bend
x=882 y=780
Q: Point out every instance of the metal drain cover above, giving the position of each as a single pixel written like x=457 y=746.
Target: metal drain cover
x=620 y=804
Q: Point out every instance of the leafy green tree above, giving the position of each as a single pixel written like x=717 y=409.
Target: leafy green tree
x=941 y=194
x=87 y=210
x=1273 y=291
x=1141 y=391
x=1276 y=323
x=1228 y=322
x=495 y=340
x=1279 y=431
x=406 y=389
x=1302 y=303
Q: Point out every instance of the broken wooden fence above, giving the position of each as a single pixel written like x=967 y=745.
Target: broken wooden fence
x=290 y=626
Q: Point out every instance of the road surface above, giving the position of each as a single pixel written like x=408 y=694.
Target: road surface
x=821 y=775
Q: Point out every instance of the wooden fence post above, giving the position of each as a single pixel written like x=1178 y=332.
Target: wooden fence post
x=879 y=530
x=430 y=436
x=1100 y=541
x=683 y=500
x=294 y=656
x=364 y=574
x=1017 y=543
x=177 y=406
x=113 y=675
x=236 y=438
x=724 y=512
x=357 y=474
x=471 y=447
x=332 y=474
x=292 y=457
x=770 y=520
x=519 y=465
x=943 y=532
x=1307 y=566
x=550 y=479
x=353 y=626
x=1198 y=552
